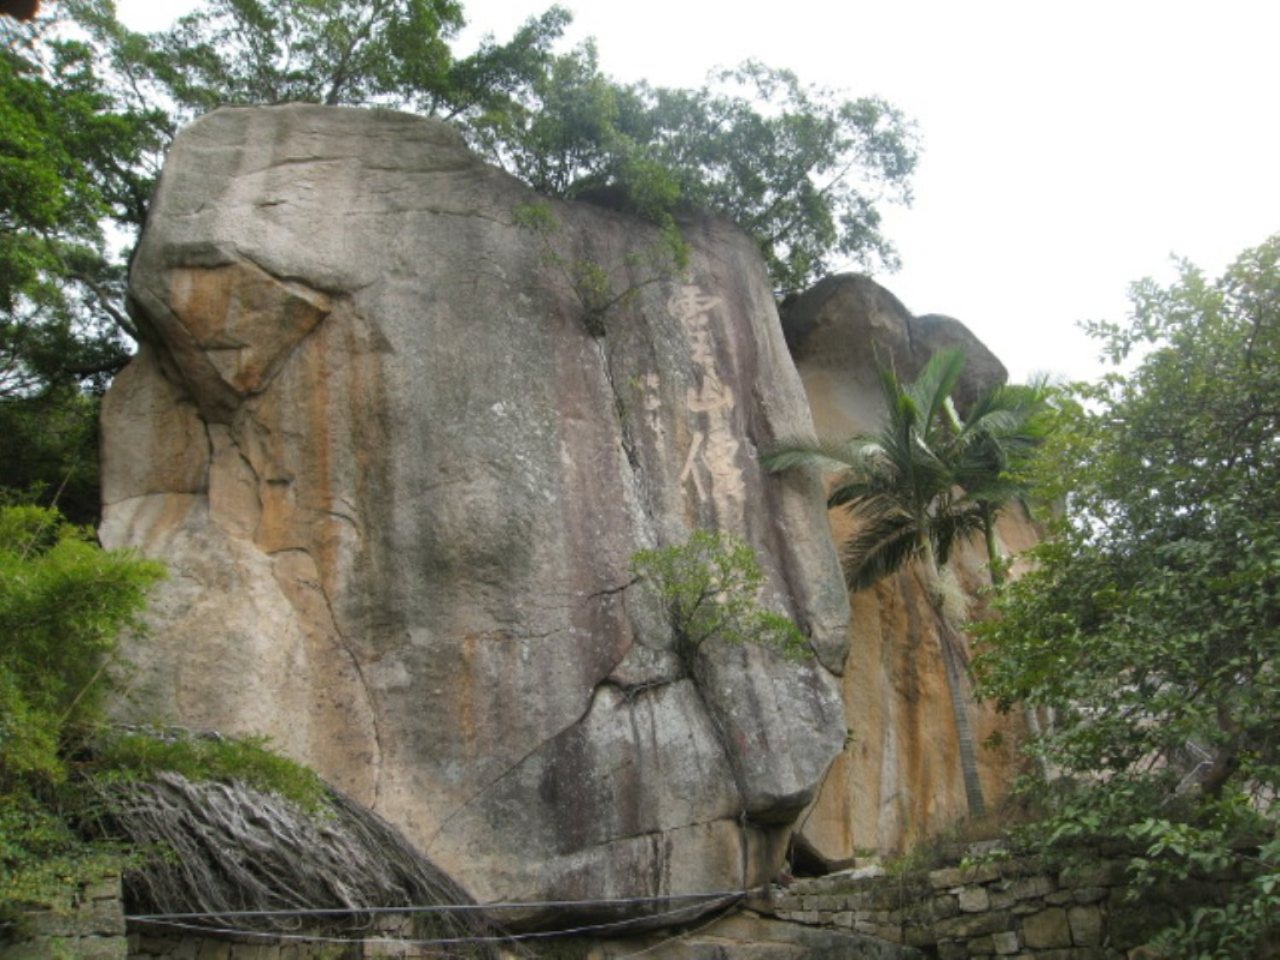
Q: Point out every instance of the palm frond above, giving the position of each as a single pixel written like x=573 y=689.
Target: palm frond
x=998 y=421
x=851 y=491
x=927 y=476
x=792 y=452
x=931 y=390
x=880 y=547
x=953 y=526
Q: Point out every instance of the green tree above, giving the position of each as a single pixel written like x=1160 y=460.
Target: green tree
x=797 y=167
x=71 y=163
x=924 y=481
x=69 y=168
x=711 y=587
x=1150 y=622
x=63 y=603
x=1009 y=424
x=390 y=53
x=928 y=477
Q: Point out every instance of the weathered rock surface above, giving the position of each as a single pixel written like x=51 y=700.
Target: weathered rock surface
x=843 y=326
x=398 y=485
x=898 y=779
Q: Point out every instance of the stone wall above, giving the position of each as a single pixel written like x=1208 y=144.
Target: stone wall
x=1009 y=908
x=200 y=947
x=86 y=922
x=390 y=937
x=1012 y=909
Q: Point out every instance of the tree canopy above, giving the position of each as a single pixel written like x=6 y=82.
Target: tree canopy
x=71 y=167
x=798 y=168
x=1150 y=623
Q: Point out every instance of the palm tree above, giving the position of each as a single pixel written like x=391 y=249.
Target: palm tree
x=924 y=481
x=1006 y=427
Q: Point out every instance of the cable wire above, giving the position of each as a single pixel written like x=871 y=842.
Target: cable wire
x=445 y=908
x=456 y=941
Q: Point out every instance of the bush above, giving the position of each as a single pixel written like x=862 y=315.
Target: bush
x=141 y=755
x=711 y=586
x=63 y=603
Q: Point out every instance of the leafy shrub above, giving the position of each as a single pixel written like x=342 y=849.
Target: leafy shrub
x=600 y=291
x=139 y=756
x=63 y=604
x=711 y=586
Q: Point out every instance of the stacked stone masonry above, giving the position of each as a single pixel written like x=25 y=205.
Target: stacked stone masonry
x=194 y=947
x=86 y=922
x=1003 y=909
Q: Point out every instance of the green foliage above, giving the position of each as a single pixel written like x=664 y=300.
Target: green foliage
x=54 y=185
x=796 y=167
x=1238 y=927
x=49 y=448
x=599 y=291
x=70 y=163
x=41 y=854
x=386 y=53
x=1150 y=624
x=63 y=602
x=229 y=52
x=711 y=587
x=139 y=756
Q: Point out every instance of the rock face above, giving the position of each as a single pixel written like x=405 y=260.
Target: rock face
x=840 y=329
x=398 y=485
x=898 y=780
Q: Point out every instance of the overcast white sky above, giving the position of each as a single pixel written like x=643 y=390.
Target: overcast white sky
x=1069 y=148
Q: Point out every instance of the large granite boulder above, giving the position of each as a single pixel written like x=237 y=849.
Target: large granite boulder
x=898 y=780
x=846 y=326
x=398 y=483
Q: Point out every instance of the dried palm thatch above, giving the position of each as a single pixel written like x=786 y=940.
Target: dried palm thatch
x=225 y=849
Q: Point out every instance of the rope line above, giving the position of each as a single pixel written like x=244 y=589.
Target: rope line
x=443 y=908
x=457 y=941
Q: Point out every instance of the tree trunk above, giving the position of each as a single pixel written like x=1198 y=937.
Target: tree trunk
x=957 y=683
x=995 y=567
x=995 y=563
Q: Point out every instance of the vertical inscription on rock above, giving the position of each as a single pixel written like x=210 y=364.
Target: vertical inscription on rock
x=711 y=464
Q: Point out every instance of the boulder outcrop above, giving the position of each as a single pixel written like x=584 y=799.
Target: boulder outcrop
x=898 y=779
x=398 y=482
